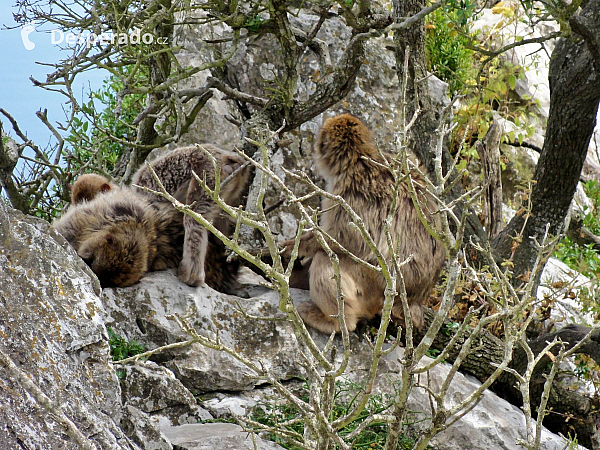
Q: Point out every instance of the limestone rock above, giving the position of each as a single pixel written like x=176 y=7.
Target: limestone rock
x=210 y=436
x=154 y=390
x=558 y=281
x=375 y=97
x=141 y=313
x=144 y=429
x=492 y=424
x=52 y=329
x=225 y=405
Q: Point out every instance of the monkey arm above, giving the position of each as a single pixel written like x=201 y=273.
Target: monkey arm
x=307 y=248
x=191 y=269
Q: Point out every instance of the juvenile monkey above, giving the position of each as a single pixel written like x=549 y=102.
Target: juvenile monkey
x=87 y=186
x=368 y=188
x=124 y=233
x=175 y=172
x=121 y=236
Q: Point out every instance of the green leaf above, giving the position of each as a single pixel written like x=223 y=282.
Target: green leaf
x=502 y=87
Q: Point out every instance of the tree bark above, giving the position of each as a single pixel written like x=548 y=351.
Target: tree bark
x=574 y=95
x=489 y=154
x=412 y=39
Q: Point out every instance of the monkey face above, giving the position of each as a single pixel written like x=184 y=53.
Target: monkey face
x=118 y=255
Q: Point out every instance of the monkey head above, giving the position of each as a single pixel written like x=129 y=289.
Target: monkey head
x=87 y=186
x=342 y=143
x=117 y=254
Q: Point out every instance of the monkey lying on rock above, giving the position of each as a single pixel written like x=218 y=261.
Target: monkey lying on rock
x=123 y=233
x=368 y=187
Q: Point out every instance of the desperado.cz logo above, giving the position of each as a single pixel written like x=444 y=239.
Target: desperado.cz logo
x=25 y=32
x=90 y=39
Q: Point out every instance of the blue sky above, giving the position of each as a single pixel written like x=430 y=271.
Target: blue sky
x=18 y=95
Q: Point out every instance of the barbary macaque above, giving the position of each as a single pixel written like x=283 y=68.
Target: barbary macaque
x=126 y=232
x=368 y=187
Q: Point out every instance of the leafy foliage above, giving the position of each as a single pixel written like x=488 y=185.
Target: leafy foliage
x=584 y=258
x=96 y=144
x=485 y=84
x=446 y=45
x=120 y=348
x=592 y=219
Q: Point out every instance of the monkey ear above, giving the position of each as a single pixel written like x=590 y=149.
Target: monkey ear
x=105 y=187
x=110 y=240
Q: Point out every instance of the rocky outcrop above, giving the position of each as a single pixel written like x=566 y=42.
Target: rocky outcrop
x=155 y=390
x=142 y=313
x=51 y=327
x=563 y=286
x=210 y=436
x=153 y=399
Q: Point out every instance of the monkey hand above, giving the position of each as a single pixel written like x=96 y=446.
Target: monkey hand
x=191 y=271
x=307 y=248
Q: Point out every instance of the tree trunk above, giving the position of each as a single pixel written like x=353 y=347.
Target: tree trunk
x=574 y=95
x=489 y=154
x=423 y=134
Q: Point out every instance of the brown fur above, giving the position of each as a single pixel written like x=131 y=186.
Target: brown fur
x=87 y=186
x=124 y=233
x=175 y=172
x=368 y=189
x=121 y=237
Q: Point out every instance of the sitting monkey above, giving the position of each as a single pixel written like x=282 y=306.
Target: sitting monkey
x=126 y=232
x=368 y=187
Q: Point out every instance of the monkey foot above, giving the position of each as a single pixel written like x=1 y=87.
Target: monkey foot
x=191 y=274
